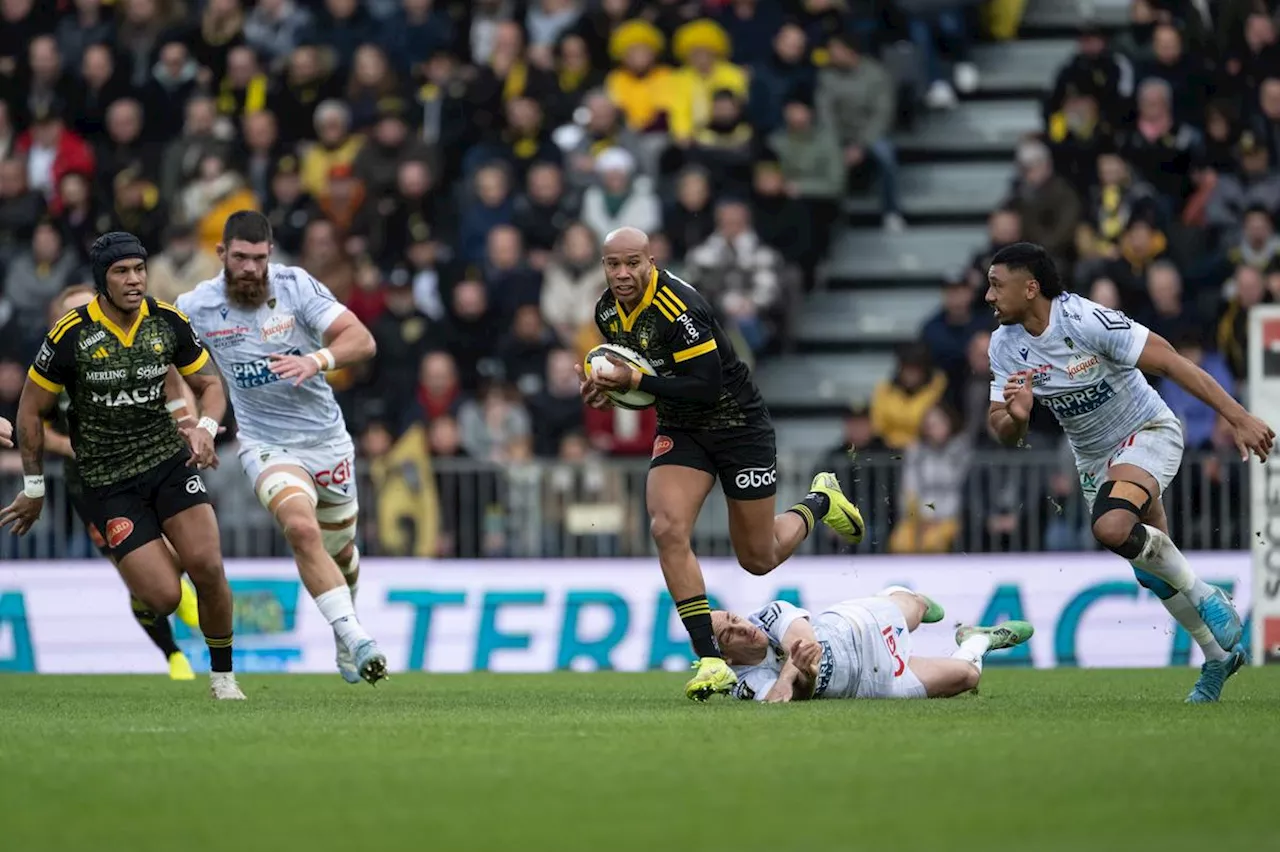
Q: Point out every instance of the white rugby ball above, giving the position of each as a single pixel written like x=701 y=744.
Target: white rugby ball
x=597 y=360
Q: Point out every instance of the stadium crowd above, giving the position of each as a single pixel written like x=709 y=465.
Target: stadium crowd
x=1156 y=184
x=449 y=170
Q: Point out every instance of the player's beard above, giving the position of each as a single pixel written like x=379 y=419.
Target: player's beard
x=246 y=290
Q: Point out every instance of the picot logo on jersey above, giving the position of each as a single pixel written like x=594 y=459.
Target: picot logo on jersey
x=256 y=373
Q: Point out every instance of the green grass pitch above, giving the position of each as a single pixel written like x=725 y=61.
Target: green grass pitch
x=1058 y=761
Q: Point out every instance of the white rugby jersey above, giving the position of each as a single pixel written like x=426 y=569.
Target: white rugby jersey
x=293 y=320
x=838 y=670
x=1084 y=371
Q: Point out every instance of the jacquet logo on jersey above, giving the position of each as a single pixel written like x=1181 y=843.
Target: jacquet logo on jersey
x=1081 y=365
x=278 y=326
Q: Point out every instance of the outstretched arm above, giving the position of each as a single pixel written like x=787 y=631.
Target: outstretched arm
x=1159 y=358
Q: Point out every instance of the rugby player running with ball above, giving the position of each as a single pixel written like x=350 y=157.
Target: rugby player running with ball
x=712 y=424
x=111 y=356
x=1086 y=363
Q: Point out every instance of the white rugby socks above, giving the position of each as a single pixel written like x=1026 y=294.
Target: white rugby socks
x=1161 y=557
x=1185 y=613
x=339 y=610
x=973 y=650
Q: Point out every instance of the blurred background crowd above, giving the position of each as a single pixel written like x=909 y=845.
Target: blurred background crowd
x=449 y=169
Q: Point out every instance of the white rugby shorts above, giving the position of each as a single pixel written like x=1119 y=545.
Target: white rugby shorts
x=884 y=648
x=331 y=465
x=1156 y=448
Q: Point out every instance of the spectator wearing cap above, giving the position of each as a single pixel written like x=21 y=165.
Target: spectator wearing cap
x=856 y=98
x=640 y=86
x=173 y=83
x=1048 y=206
x=1095 y=69
x=1252 y=185
x=947 y=333
x=751 y=26
x=242 y=90
x=1161 y=148
x=784 y=75
x=417 y=30
x=740 y=275
x=181 y=266
x=389 y=144
x=308 y=82
x=571 y=284
x=702 y=48
x=621 y=197
x=274 y=28
x=288 y=207
x=51 y=151
x=335 y=145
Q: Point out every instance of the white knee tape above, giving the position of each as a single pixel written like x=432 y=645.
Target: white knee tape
x=279 y=486
x=335 y=540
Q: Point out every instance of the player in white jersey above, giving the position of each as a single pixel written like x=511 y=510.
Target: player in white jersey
x=1086 y=364
x=854 y=649
x=273 y=330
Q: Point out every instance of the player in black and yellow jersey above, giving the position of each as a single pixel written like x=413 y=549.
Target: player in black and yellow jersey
x=111 y=357
x=712 y=424
x=57 y=440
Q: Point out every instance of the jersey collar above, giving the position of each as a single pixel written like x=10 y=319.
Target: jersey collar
x=125 y=337
x=629 y=320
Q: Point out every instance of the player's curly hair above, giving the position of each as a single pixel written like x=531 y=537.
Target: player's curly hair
x=1032 y=259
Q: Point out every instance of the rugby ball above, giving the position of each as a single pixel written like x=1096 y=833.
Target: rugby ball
x=633 y=399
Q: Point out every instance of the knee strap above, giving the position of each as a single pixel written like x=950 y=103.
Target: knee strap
x=338 y=527
x=1131 y=497
x=1161 y=589
x=278 y=486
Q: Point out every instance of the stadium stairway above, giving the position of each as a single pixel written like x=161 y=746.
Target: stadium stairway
x=878 y=288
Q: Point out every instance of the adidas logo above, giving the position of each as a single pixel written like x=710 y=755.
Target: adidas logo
x=99 y=353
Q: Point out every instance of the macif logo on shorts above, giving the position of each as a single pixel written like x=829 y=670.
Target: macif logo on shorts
x=756 y=477
x=1271 y=348
x=266 y=618
x=662 y=445
x=118 y=530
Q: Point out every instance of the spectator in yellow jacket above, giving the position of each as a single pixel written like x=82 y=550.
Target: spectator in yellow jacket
x=337 y=146
x=899 y=404
x=642 y=89
x=702 y=48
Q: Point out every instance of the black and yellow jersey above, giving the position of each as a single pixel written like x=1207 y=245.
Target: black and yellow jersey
x=114 y=379
x=701 y=382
